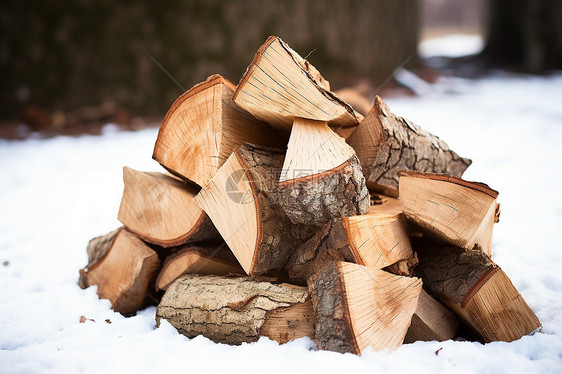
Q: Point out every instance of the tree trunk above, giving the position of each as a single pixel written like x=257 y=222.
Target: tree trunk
x=237 y=310
x=386 y=143
x=526 y=34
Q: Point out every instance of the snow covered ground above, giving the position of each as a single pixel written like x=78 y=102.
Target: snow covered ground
x=56 y=194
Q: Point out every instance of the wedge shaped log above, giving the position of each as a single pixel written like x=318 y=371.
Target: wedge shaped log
x=202 y=128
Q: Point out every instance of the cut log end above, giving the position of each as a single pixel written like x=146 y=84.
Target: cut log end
x=359 y=307
x=124 y=274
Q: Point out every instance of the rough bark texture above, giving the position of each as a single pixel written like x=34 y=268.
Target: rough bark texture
x=386 y=143
x=228 y=310
x=333 y=329
x=316 y=199
x=97 y=249
x=278 y=236
x=451 y=272
x=329 y=244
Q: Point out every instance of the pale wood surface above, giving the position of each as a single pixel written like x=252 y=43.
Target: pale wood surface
x=459 y=212
x=124 y=274
x=377 y=239
x=276 y=89
x=202 y=259
x=359 y=307
x=431 y=321
x=237 y=310
x=202 y=128
x=241 y=202
x=161 y=210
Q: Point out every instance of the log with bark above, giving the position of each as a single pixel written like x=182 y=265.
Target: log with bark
x=386 y=143
x=377 y=239
x=237 y=310
x=321 y=177
x=241 y=200
x=202 y=128
x=477 y=290
x=123 y=267
x=202 y=259
x=358 y=307
x=280 y=85
x=161 y=210
x=456 y=211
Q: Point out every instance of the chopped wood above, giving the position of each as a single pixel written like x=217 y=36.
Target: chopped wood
x=161 y=210
x=386 y=143
x=456 y=211
x=358 y=307
x=477 y=290
x=237 y=310
x=123 y=269
x=377 y=239
x=321 y=176
x=208 y=260
x=202 y=128
x=241 y=200
x=431 y=321
x=280 y=85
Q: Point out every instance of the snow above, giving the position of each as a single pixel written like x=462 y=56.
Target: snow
x=56 y=194
x=454 y=45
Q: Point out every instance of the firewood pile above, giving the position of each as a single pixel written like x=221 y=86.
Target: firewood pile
x=286 y=213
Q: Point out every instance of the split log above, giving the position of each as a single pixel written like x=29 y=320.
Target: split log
x=161 y=210
x=431 y=321
x=377 y=239
x=358 y=307
x=241 y=200
x=208 y=260
x=237 y=310
x=321 y=176
x=360 y=97
x=386 y=143
x=280 y=85
x=477 y=290
x=458 y=212
x=123 y=267
x=202 y=128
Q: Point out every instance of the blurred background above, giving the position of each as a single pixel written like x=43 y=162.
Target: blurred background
x=69 y=66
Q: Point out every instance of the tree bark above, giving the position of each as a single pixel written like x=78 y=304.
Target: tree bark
x=317 y=198
x=246 y=187
x=358 y=307
x=236 y=310
x=477 y=290
x=386 y=143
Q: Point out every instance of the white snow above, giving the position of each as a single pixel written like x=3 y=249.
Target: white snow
x=454 y=45
x=56 y=194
